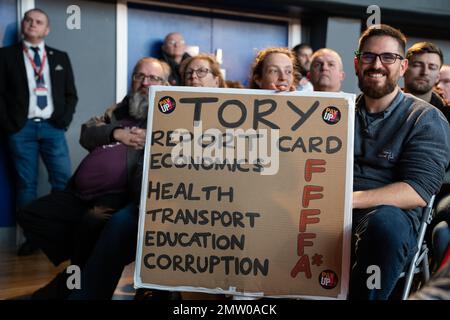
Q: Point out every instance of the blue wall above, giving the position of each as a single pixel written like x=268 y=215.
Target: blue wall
x=8 y=36
x=239 y=38
x=8 y=22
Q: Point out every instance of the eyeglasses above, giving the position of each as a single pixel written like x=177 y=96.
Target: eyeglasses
x=174 y=42
x=385 y=57
x=201 y=73
x=153 y=79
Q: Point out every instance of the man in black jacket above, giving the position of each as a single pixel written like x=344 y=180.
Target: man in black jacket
x=37 y=103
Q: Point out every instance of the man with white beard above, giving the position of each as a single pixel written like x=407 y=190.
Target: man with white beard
x=66 y=224
x=104 y=130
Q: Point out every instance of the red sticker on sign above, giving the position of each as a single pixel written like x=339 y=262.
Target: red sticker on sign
x=331 y=115
x=328 y=279
x=166 y=105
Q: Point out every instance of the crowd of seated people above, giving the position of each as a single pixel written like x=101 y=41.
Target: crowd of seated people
x=93 y=222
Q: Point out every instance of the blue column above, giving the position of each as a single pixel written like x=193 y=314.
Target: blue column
x=8 y=36
x=6 y=189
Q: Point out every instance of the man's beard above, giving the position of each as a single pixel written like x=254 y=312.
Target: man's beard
x=138 y=106
x=378 y=92
x=416 y=88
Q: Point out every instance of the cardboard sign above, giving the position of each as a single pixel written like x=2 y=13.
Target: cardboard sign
x=247 y=192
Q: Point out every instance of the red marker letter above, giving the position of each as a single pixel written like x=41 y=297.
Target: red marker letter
x=301 y=243
x=307 y=194
x=304 y=220
x=312 y=165
x=302 y=265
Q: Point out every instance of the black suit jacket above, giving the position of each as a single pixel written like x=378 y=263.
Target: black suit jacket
x=14 y=93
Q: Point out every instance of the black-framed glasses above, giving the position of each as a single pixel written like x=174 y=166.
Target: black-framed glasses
x=201 y=73
x=153 y=79
x=385 y=57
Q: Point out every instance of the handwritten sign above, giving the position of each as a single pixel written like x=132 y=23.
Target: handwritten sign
x=247 y=192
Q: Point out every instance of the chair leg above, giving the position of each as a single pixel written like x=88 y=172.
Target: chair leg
x=421 y=256
x=426 y=267
x=409 y=277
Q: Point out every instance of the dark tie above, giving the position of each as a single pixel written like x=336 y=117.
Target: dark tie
x=41 y=100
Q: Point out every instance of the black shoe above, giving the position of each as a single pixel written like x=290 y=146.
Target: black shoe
x=156 y=295
x=27 y=249
x=54 y=290
x=143 y=294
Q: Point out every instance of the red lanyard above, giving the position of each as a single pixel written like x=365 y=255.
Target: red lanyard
x=38 y=73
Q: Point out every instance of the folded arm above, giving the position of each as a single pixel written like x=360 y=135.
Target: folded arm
x=398 y=194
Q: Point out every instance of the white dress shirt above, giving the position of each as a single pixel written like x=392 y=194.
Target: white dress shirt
x=33 y=109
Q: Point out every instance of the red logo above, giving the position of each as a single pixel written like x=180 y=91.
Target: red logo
x=331 y=115
x=328 y=279
x=166 y=105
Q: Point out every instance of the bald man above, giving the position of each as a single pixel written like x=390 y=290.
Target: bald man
x=173 y=53
x=326 y=72
x=444 y=80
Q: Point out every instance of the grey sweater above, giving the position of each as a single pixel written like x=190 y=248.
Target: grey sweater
x=408 y=142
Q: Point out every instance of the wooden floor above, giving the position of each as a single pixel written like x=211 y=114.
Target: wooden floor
x=21 y=276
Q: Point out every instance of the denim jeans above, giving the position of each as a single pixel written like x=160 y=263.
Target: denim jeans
x=34 y=139
x=385 y=237
x=114 y=250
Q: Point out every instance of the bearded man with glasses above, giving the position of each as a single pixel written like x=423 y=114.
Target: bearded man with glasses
x=402 y=147
x=66 y=224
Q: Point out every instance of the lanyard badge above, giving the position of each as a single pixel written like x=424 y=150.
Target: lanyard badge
x=41 y=91
x=37 y=72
